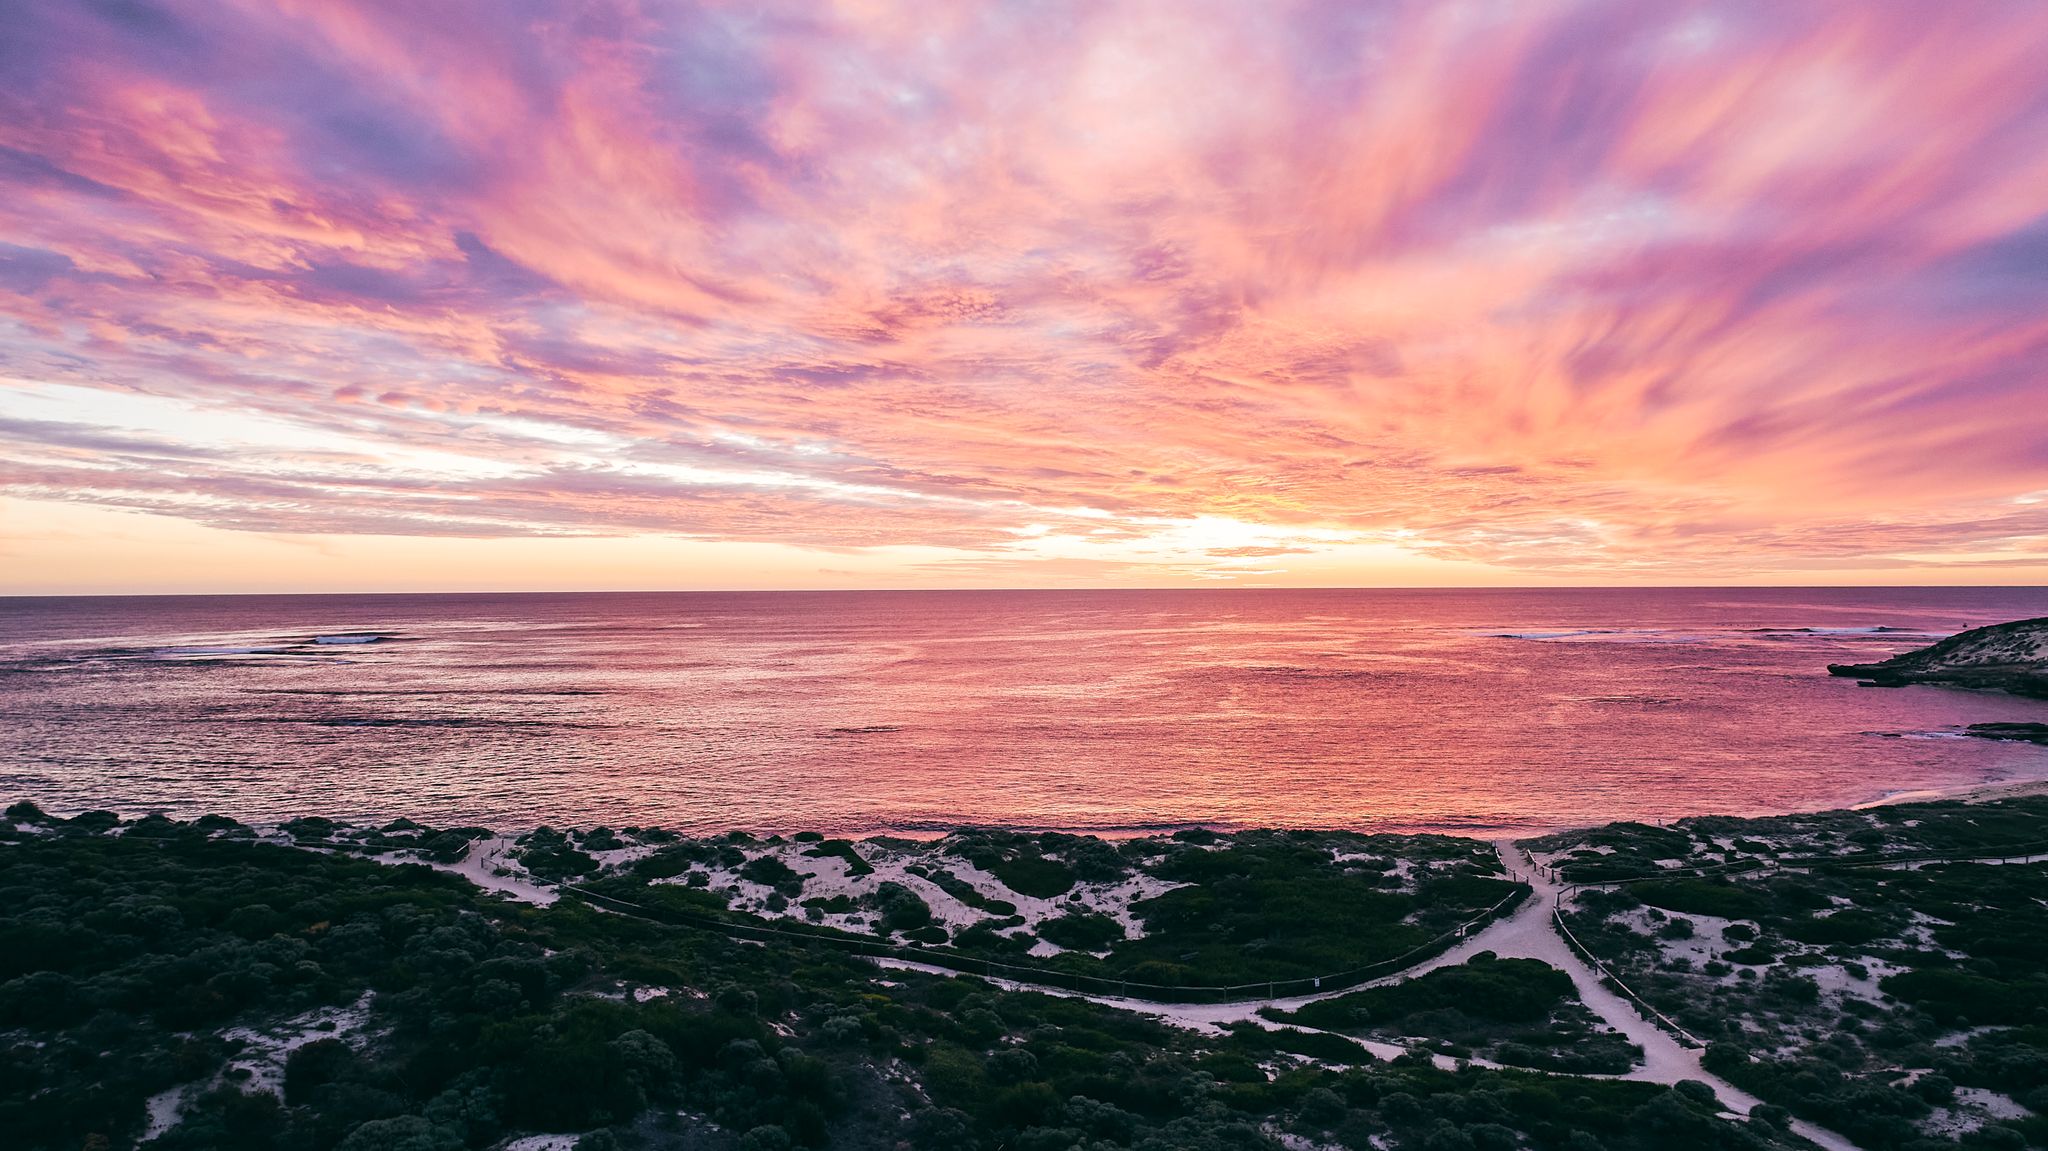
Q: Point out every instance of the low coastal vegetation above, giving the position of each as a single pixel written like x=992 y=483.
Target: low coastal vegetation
x=1177 y=916
x=1882 y=972
x=1519 y=1012
x=205 y=984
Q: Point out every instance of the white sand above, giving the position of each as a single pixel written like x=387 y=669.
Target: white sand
x=1709 y=938
x=1834 y=979
x=1967 y=793
x=1971 y=1109
x=267 y=1048
x=1531 y=933
x=541 y=1143
x=1294 y=1142
x=620 y=858
x=165 y=1108
x=1528 y=932
x=827 y=877
x=489 y=866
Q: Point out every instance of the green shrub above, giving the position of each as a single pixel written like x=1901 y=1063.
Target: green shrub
x=842 y=849
x=1033 y=875
x=769 y=871
x=899 y=908
x=1082 y=932
x=1716 y=897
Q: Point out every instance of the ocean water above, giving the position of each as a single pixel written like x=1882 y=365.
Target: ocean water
x=1464 y=711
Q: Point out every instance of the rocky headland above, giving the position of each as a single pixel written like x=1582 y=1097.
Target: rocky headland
x=2009 y=657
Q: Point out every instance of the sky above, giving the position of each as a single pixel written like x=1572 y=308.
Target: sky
x=334 y=295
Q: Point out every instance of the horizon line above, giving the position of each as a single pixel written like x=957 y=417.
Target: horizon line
x=5 y=596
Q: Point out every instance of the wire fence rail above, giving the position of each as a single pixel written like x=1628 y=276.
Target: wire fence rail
x=1612 y=980
x=1055 y=977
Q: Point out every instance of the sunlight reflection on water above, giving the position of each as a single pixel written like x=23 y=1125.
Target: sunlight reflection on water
x=1464 y=711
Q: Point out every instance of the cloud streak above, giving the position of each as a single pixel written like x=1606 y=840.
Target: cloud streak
x=1594 y=289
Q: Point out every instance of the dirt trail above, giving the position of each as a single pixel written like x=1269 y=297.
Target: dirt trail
x=1529 y=932
x=1532 y=933
x=481 y=865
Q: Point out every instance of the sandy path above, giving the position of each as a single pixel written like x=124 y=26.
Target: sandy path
x=1205 y=1017
x=1526 y=933
x=1211 y=1017
x=481 y=865
x=1531 y=933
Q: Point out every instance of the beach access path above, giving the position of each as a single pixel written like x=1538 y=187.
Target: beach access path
x=486 y=865
x=1532 y=933
x=1528 y=932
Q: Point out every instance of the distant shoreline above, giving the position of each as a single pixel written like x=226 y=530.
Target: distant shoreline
x=1965 y=793
x=1140 y=589
x=1981 y=792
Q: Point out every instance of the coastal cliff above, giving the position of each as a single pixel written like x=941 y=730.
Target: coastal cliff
x=2010 y=657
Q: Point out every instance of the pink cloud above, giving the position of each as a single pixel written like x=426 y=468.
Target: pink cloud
x=1591 y=287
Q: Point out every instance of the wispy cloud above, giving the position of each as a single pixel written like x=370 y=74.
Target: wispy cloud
x=1595 y=288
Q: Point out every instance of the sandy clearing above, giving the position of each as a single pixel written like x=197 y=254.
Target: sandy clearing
x=1708 y=939
x=165 y=1109
x=1293 y=1142
x=1972 y=1108
x=618 y=857
x=1835 y=978
x=486 y=859
x=541 y=1143
x=267 y=1048
x=487 y=864
x=828 y=877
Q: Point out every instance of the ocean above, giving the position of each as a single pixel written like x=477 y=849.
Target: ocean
x=1473 y=712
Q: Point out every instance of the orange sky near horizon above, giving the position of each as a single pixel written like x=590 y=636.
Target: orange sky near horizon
x=609 y=294
x=58 y=549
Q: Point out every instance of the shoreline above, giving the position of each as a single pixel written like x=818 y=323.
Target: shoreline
x=1964 y=793
x=928 y=832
